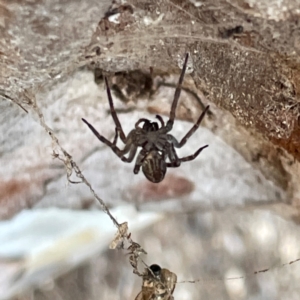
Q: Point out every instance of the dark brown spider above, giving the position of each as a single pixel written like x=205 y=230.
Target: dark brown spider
x=157 y=145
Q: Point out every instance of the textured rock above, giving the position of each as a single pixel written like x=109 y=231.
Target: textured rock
x=244 y=62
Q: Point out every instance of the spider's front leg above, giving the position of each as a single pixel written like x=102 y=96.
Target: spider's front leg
x=129 y=146
x=170 y=123
x=114 y=114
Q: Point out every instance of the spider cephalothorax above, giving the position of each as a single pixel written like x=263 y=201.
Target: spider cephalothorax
x=157 y=145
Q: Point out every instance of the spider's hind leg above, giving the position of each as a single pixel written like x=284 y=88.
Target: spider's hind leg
x=176 y=163
x=139 y=161
x=189 y=133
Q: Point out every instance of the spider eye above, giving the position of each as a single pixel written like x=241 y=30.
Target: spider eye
x=154 y=126
x=150 y=126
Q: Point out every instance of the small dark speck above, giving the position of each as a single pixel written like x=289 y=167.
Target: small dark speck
x=298 y=121
x=227 y=33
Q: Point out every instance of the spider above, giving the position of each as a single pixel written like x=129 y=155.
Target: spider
x=157 y=145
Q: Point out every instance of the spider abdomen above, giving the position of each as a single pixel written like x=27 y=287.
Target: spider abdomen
x=154 y=167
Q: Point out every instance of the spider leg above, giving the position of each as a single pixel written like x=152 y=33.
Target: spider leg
x=170 y=150
x=191 y=131
x=140 y=121
x=177 y=95
x=139 y=161
x=113 y=112
x=116 y=137
x=131 y=155
x=128 y=146
x=176 y=163
x=160 y=120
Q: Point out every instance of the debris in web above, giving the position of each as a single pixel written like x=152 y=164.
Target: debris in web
x=71 y=167
x=121 y=235
x=135 y=252
x=2 y=93
x=157 y=283
x=254 y=273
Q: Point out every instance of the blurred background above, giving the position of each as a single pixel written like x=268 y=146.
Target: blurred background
x=212 y=218
x=229 y=213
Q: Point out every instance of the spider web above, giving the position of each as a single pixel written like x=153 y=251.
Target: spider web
x=144 y=47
